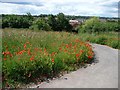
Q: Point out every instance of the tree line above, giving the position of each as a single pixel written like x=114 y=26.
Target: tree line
x=59 y=22
x=47 y=23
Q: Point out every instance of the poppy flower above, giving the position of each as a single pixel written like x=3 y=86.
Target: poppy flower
x=29 y=53
x=7 y=52
x=32 y=58
x=52 y=60
x=25 y=45
x=53 y=53
x=36 y=49
x=60 y=48
x=81 y=51
x=77 y=40
x=77 y=55
x=5 y=58
x=89 y=57
x=67 y=46
x=65 y=50
x=21 y=52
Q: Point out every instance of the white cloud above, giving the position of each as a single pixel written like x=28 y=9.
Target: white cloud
x=72 y=7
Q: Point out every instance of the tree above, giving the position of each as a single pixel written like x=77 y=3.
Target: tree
x=17 y=21
x=40 y=24
x=52 y=22
x=91 y=25
x=63 y=23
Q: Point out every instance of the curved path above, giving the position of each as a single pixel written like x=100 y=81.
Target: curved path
x=100 y=74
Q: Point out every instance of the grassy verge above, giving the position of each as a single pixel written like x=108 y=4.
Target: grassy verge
x=28 y=55
x=108 y=38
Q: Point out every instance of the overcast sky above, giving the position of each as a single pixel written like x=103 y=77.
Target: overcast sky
x=104 y=8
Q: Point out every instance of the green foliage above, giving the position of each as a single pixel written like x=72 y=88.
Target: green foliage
x=40 y=24
x=63 y=23
x=15 y=21
x=43 y=22
x=105 y=38
x=53 y=23
x=59 y=23
x=28 y=55
x=111 y=26
x=91 y=25
x=95 y=25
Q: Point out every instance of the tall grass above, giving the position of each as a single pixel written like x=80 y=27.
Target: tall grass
x=28 y=54
x=107 y=38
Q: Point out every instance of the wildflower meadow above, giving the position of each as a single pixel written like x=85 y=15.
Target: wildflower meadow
x=28 y=55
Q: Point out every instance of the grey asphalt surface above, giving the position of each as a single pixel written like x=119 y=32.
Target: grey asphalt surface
x=103 y=73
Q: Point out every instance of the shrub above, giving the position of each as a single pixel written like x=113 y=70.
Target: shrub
x=40 y=24
x=91 y=25
x=95 y=25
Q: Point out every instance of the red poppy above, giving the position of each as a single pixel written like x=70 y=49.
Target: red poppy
x=21 y=52
x=32 y=58
x=11 y=55
x=65 y=50
x=5 y=58
x=81 y=51
x=77 y=55
x=52 y=60
x=53 y=53
x=89 y=57
x=60 y=48
x=36 y=49
x=77 y=40
x=25 y=45
x=67 y=46
x=7 y=52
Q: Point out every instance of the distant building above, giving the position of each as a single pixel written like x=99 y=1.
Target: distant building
x=74 y=23
x=103 y=20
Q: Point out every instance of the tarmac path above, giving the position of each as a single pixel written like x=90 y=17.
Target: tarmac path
x=103 y=73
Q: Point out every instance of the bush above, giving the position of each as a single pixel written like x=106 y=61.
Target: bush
x=95 y=25
x=40 y=24
x=91 y=26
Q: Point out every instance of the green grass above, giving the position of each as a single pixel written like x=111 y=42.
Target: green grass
x=28 y=55
x=107 y=38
